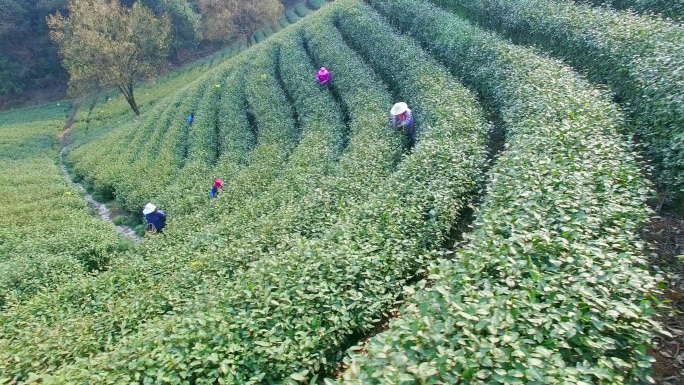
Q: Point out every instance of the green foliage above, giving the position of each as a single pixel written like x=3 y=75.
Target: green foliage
x=104 y=44
x=283 y=21
x=291 y=16
x=48 y=112
x=315 y=4
x=534 y=296
x=327 y=218
x=47 y=236
x=184 y=17
x=667 y=8
x=639 y=57
x=259 y=36
x=228 y=19
x=301 y=9
x=435 y=179
x=27 y=60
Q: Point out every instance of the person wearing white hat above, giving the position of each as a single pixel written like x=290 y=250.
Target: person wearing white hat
x=155 y=218
x=402 y=118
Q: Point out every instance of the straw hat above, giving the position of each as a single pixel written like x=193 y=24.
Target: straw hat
x=322 y=71
x=149 y=208
x=398 y=108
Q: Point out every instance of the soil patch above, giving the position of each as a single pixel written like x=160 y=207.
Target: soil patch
x=665 y=236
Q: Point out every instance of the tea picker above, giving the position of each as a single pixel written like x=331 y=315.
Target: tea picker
x=402 y=118
x=156 y=219
x=323 y=77
x=218 y=184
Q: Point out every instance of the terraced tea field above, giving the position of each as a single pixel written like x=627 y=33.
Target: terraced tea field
x=332 y=233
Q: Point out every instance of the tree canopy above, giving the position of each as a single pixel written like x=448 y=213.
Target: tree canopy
x=29 y=60
x=227 y=19
x=105 y=44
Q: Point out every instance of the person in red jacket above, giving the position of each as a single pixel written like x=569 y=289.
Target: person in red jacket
x=218 y=183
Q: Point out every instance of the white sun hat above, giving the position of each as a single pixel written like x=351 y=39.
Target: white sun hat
x=149 y=208
x=399 y=108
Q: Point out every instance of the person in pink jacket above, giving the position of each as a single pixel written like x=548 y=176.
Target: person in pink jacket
x=323 y=76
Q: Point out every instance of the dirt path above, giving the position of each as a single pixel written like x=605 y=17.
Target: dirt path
x=665 y=236
x=102 y=209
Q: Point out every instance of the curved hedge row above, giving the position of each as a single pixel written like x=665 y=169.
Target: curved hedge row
x=114 y=167
x=301 y=9
x=315 y=4
x=292 y=16
x=128 y=170
x=277 y=136
x=242 y=231
x=374 y=147
x=311 y=194
x=103 y=163
x=47 y=235
x=162 y=156
x=549 y=287
x=203 y=140
x=342 y=290
x=639 y=57
x=158 y=257
x=667 y=8
x=236 y=138
x=196 y=155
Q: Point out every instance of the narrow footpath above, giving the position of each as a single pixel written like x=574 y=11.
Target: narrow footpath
x=102 y=209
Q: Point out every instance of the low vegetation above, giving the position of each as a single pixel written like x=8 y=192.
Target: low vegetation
x=646 y=50
x=335 y=249
x=520 y=303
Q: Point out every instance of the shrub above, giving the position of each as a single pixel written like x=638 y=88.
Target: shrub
x=48 y=237
x=564 y=198
x=435 y=180
x=667 y=8
x=639 y=57
x=301 y=9
x=291 y=16
x=316 y=4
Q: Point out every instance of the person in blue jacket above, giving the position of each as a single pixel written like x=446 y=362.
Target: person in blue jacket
x=155 y=218
x=191 y=118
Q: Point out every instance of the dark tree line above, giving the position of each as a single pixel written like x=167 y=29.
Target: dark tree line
x=29 y=59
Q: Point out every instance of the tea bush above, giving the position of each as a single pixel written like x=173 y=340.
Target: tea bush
x=437 y=177
x=47 y=235
x=671 y=9
x=292 y=16
x=316 y=4
x=328 y=216
x=301 y=9
x=549 y=287
x=639 y=57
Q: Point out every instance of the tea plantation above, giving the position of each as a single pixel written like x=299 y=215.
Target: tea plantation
x=502 y=248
